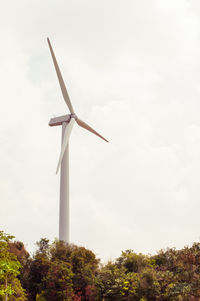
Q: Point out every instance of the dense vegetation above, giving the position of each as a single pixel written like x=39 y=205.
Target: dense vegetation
x=67 y=272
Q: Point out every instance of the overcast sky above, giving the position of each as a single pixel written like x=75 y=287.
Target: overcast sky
x=132 y=70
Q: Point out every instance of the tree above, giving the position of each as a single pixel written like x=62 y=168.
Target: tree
x=133 y=262
x=9 y=269
x=58 y=282
x=61 y=271
x=17 y=248
x=112 y=283
x=84 y=265
x=37 y=269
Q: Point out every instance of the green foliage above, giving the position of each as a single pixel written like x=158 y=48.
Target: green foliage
x=58 y=282
x=111 y=282
x=133 y=262
x=116 y=284
x=60 y=271
x=83 y=262
x=19 y=292
x=170 y=275
x=9 y=270
x=37 y=270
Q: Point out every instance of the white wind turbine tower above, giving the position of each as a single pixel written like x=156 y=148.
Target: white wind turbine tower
x=67 y=122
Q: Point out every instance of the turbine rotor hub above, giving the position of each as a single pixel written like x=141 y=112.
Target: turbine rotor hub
x=74 y=116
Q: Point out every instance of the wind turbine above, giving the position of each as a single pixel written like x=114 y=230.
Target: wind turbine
x=67 y=123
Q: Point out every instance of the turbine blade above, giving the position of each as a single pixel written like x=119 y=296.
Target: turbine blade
x=87 y=127
x=66 y=136
x=60 y=79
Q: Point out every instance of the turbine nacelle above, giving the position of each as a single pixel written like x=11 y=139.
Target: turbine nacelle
x=59 y=120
